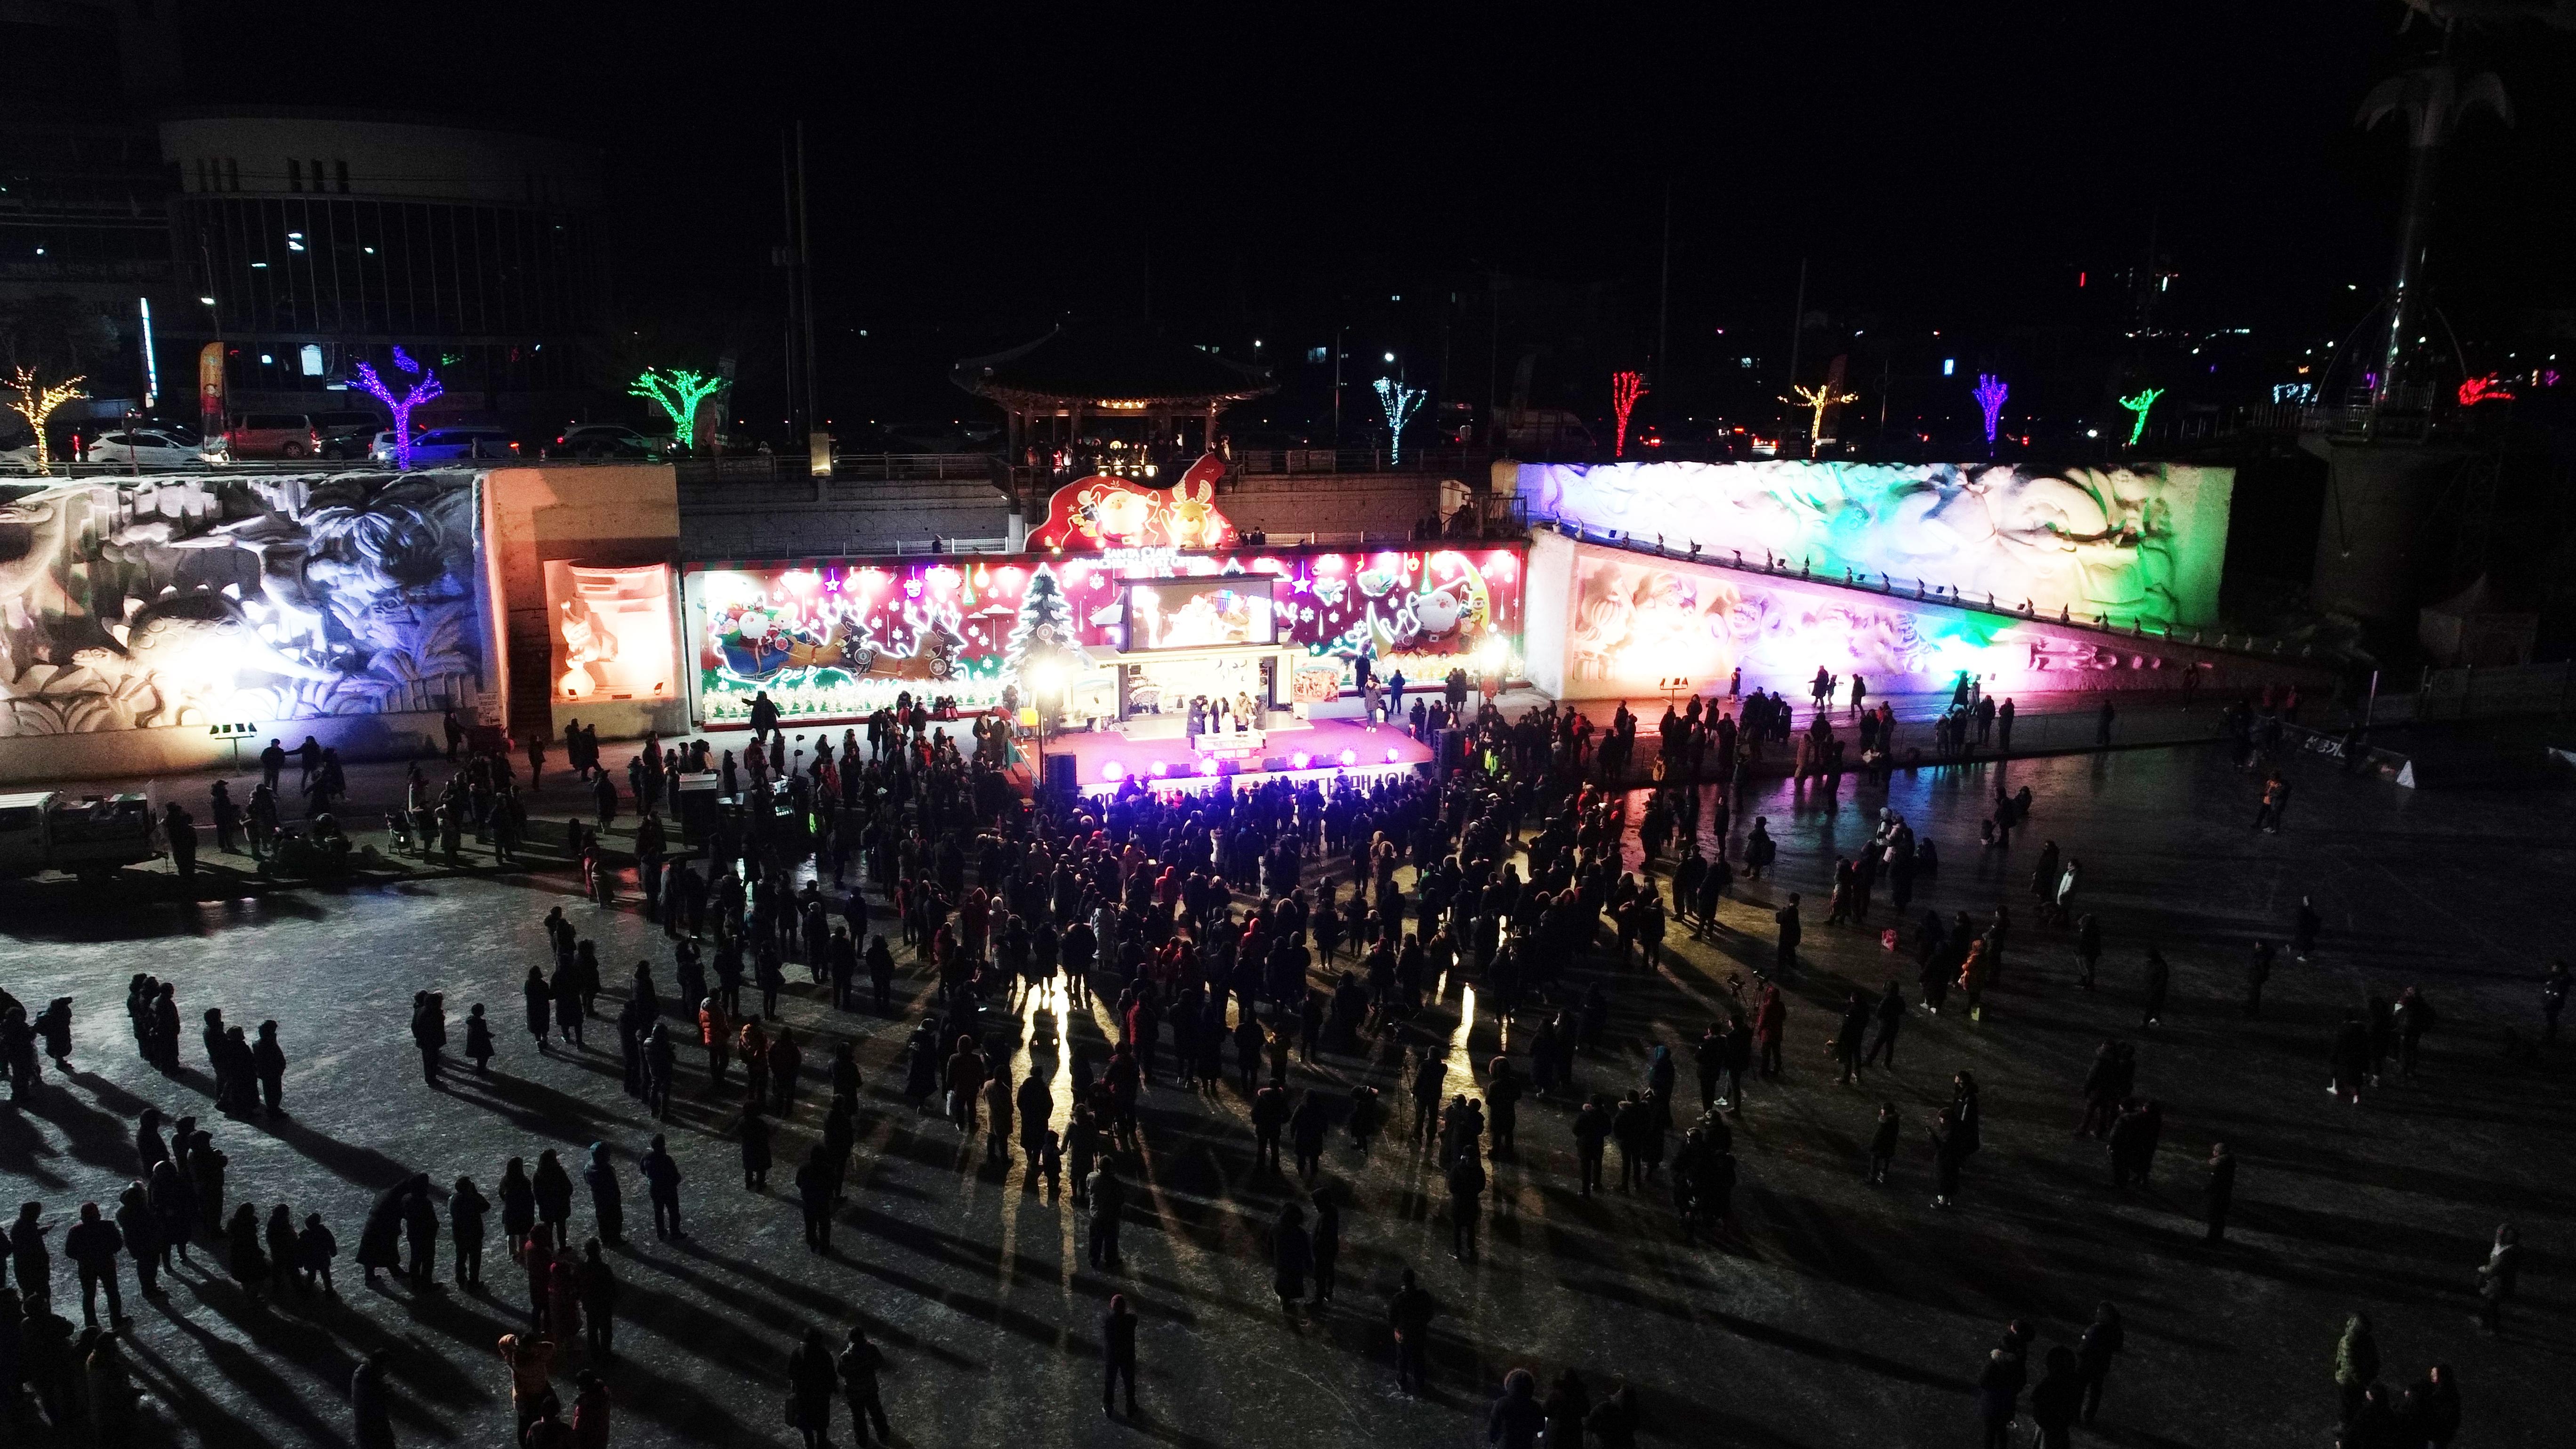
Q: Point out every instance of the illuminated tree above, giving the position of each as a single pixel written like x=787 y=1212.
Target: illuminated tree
x=2139 y=405
x=1401 y=403
x=1816 y=400
x=1044 y=629
x=678 y=391
x=424 y=386
x=36 y=402
x=1991 y=393
x=1625 y=389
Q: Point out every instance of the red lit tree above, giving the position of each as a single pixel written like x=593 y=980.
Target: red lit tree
x=1625 y=389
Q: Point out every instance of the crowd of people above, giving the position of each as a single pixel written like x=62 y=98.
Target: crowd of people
x=1224 y=936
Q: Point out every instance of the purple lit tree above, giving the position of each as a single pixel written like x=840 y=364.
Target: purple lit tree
x=425 y=387
x=1991 y=393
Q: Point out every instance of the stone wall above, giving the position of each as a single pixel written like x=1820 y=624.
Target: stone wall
x=1332 y=505
x=796 y=519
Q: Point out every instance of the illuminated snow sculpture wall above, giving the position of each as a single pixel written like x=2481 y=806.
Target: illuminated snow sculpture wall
x=2142 y=544
x=196 y=601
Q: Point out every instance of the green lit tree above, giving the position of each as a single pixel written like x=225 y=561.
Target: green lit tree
x=677 y=391
x=2139 y=405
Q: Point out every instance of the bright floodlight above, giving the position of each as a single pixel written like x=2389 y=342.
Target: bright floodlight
x=1300 y=760
x=1113 y=772
x=1350 y=757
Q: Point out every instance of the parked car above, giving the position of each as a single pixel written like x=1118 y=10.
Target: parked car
x=164 y=446
x=442 y=445
x=272 y=435
x=607 y=440
x=18 y=455
x=346 y=435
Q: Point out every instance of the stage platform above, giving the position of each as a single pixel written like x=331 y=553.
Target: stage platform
x=1319 y=750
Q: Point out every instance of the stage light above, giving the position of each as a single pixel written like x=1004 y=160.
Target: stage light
x=1300 y=760
x=1158 y=769
x=1391 y=755
x=1350 y=757
x=1113 y=772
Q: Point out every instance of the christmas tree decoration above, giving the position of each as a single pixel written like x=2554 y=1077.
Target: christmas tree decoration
x=2139 y=405
x=36 y=402
x=424 y=387
x=677 y=391
x=1043 y=630
x=1990 y=396
x=1625 y=389
x=1401 y=403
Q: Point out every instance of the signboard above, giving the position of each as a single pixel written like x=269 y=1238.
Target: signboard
x=1102 y=512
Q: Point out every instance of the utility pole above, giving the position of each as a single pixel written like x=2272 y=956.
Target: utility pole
x=1664 y=294
x=1798 y=323
x=786 y=256
x=805 y=288
x=1337 y=388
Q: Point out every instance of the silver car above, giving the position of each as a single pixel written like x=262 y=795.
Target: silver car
x=162 y=447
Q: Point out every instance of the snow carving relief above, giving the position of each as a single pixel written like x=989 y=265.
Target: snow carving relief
x=217 y=600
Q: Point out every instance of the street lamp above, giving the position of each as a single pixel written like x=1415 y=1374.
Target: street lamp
x=1046 y=686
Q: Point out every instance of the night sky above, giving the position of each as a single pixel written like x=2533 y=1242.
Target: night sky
x=975 y=177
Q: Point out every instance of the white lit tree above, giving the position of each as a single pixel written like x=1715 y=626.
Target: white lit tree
x=36 y=402
x=1044 y=629
x=1401 y=403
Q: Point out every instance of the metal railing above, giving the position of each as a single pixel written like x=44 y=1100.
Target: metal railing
x=1927 y=592
x=1460 y=462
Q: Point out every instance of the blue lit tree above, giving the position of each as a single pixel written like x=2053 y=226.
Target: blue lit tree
x=425 y=385
x=1991 y=392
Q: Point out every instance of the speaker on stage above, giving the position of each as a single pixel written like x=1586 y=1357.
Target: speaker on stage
x=1059 y=775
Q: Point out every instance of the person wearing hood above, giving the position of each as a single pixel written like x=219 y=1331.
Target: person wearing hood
x=371 y=1421
x=420 y=1228
x=1515 y=1420
x=607 y=1199
x=243 y=1256
x=467 y=1208
x=380 y=1240
x=553 y=1188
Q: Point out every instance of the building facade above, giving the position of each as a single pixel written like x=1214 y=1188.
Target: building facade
x=324 y=240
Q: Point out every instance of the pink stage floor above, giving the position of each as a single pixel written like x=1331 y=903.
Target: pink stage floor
x=1322 y=744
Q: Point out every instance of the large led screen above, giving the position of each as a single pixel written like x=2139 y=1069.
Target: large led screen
x=839 y=639
x=1199 y=613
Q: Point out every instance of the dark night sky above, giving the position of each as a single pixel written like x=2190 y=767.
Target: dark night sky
x=978 y=172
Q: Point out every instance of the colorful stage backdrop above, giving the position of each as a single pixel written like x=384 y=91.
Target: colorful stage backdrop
x=2143 y=544
x=839 y=639
x=197 y=601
